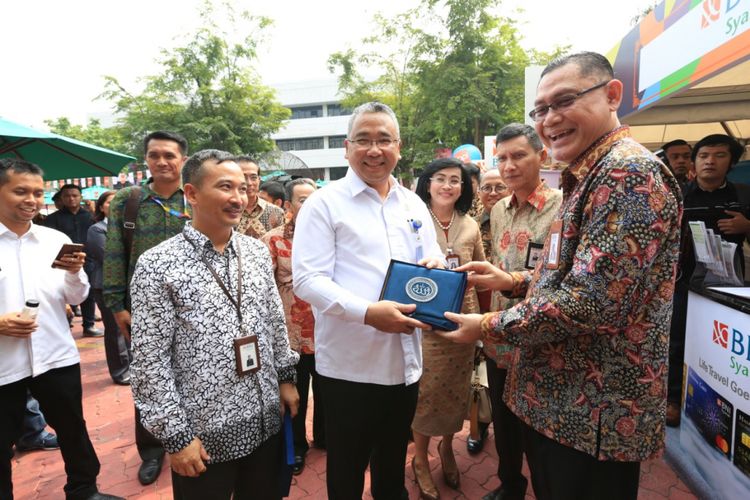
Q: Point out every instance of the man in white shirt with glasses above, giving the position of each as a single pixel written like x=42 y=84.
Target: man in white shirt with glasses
x=368 y=351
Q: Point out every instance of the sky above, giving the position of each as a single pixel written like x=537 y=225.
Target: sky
x=56 y=53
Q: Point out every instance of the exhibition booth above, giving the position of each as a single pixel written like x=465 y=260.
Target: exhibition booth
x=686 y=73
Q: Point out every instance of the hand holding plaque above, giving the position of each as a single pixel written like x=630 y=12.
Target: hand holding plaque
x=433 y=291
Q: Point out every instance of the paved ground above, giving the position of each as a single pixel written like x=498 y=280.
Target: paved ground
x=109 y=413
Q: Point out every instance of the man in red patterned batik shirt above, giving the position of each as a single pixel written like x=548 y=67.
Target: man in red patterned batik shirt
x=299 y=321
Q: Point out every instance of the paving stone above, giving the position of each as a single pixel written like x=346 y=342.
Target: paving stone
x=108 y=409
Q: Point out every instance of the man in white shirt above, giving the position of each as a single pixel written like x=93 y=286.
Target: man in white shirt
x=40 y=355
x=368 y=351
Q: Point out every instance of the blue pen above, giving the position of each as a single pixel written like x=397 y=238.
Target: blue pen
x=415 y=225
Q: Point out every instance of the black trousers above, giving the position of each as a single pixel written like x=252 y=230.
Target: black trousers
x=305 y=372
x=677 y=343
x=116 y=348
x=59 y=394
x=562 y=473
x=366 y=423
x=254 y=477
x=508 y=434
x=88 y=311
x=149 y=447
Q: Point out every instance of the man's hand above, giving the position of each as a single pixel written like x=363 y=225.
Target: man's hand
x=122 y=318
x=431 y=263
x=485 y=276
x=189 y=461
x=390 y=317
x=71 y=263
x=738 y=224
x=12 y=325
x=289 y=397
x=469 y=328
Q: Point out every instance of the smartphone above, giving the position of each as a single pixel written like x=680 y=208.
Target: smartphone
x=67 y=249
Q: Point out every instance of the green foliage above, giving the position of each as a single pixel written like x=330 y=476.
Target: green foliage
x=206 y=90
x=456 y=75
x=92 y=133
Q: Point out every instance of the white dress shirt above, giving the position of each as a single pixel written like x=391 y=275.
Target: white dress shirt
x=26 y=274
x=344 y=239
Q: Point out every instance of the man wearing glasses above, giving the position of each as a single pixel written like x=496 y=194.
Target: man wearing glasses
x=368 y=351
x=260 y=216
x=588 y=375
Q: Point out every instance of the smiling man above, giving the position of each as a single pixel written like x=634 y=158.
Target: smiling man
x=588 y=377
x=39 y=355
x=141 y=217
x=204 y=303
x=368 y=351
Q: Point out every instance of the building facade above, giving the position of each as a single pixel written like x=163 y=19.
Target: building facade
x=317 y=127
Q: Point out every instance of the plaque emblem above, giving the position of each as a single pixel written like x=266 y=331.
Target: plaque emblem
x=421 y=289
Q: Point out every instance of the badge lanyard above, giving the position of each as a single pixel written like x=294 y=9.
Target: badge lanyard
x=246 y=349
x=172 y=211
x=452 y=260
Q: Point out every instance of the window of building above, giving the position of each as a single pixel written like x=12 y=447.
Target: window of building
x=306 y=112
x=338 y=110
x=336 y=141
x=300 y=144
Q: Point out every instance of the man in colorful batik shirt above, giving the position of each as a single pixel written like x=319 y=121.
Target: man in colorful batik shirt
x=588 y=377
x=300 y=322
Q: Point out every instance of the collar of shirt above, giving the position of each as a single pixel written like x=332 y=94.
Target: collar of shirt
x=202 y=241
x=579 y=167
x=357 y=185
x=259 y=207
x=536 y=199
x=31 y=233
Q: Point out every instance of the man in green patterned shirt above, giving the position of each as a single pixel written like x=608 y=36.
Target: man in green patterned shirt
x=162 y=212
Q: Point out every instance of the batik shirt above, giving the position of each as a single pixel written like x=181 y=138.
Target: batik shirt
x=593 y=334
x=300 y=322
x=261 y=219
x=153 y=225
x=184 y=377
x=514 y=226
x=483 y=219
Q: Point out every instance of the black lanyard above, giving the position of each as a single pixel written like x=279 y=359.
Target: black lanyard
x=238 y=301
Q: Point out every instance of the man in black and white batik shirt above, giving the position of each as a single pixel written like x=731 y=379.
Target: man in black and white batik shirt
x=212 y=369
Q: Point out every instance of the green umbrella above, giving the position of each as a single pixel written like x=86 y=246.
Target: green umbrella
x=60 y=157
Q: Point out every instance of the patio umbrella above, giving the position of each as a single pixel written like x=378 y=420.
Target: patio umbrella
x=60 y=157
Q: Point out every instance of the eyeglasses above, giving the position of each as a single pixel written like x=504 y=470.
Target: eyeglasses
x=442 y=181
x=497 y=188
x=382 y=143
x=563 y=102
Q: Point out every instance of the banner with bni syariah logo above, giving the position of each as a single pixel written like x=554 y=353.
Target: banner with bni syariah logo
x=715 y=428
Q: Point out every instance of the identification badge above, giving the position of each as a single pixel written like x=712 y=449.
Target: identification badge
x=555 y=245
x=452 y=261
x=247 y=354
x=533 y=254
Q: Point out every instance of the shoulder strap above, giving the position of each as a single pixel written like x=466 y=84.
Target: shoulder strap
x=130 y=215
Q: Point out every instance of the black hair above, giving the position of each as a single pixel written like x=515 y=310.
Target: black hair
x=17 y=166
x=274 y=189
x=193 y=171
x=98 y=214
x=589 y=63
x=473 y=170
x=464 y=201
x=513 y=130
x=70 y=186
x=165 y=135
x=676 y=142
x=735 y=148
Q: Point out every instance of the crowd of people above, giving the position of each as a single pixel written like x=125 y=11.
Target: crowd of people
x=224 y=300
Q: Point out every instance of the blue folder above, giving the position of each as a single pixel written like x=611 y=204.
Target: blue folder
x=434 y=291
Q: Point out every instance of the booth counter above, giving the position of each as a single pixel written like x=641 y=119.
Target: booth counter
x=715 y=428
